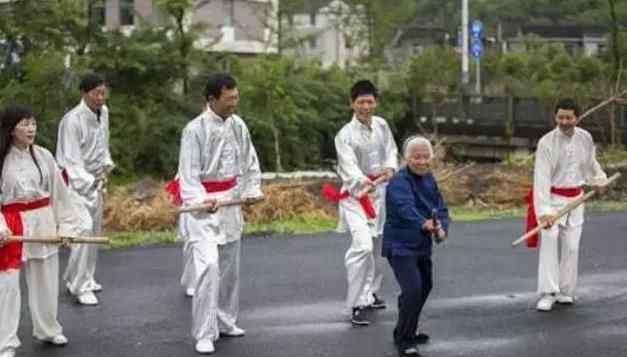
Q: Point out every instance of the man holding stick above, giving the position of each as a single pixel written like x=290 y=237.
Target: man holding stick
x=367 y=158
x=217 y=163
x=83 y=154
x=565 y=161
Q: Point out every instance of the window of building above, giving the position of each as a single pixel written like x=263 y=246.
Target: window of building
x=98 y=13
x=127 y=12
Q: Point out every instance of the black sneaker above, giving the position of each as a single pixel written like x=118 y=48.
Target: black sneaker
x=422 y=338
x=377 y=303
x=359 y=317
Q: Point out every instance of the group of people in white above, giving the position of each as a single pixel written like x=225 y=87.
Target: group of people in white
x=391 y=212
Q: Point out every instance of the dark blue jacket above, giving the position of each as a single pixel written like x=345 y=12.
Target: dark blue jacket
x=410 y=200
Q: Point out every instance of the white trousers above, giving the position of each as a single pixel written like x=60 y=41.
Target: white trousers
x=559 y=274
x=363 y=267
x=42 y=280
x=81 y=266
x=215 y=305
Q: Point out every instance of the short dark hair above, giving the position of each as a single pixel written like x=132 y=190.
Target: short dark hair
x=218 y=81
x=567 y=104
x=90 y=81
x=363 y=87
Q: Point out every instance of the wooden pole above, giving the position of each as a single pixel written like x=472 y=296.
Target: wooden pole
x=59 y=240
x=226 y=203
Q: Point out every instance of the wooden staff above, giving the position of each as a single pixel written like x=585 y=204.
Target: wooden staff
x=376 y=182
x=225 y=203
x=569 y=207
x=60 y=240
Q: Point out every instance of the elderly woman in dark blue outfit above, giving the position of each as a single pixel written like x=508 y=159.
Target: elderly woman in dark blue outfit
x=416 y=215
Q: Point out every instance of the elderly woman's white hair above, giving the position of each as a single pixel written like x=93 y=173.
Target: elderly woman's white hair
x=416 y=140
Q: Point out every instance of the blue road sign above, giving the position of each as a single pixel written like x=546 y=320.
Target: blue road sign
x=476 y=48
x=476 y=28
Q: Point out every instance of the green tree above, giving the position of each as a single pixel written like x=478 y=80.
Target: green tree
x=434 y=75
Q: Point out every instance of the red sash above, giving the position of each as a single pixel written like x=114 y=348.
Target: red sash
x=173 y=188
x=532 y=221
x=11 y=254
x=332 y=194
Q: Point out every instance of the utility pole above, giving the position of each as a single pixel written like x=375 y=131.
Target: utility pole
x=465 y=71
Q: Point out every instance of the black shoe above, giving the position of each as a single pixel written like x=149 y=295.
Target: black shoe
x=359 y=317
x=422 y=338
x=377 y=303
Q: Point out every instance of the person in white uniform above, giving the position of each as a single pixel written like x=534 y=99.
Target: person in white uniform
x=217 y=162
x=35 y=202
x=366 y=152
x=83 y=155
x=565 y=161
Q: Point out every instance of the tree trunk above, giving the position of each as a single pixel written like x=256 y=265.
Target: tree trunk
x=277 y=148
x=612 y=122
x=184 y=48
x=615 y=44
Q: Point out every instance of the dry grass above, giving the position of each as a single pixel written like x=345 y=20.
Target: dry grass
x=286 y=201
x=127 y=211
x=147 y=207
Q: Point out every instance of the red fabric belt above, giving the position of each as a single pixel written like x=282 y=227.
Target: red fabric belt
x=332 y=194
x=11 y=254
x=532 y=221
x=173 y=188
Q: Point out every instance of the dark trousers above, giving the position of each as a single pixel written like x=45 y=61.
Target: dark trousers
x=414 y=275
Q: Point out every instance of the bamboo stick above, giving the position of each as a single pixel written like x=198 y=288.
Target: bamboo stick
x=59 y=240
x=225 y=203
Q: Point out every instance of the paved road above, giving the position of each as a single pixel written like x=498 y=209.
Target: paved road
x=292 y=291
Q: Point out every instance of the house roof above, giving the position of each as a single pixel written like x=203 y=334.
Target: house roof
x=415 y=31
x=554 y=31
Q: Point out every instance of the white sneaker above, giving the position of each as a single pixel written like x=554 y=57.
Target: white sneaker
x=95 y=286
x=58 y=340
x=233 y=332
x=565 y=299
x=205 y=346
x=87 y=298
x=546 y=302
x=189 y=292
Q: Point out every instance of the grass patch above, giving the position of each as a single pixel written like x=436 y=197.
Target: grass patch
x=141 y=238
x=463 y=214
x=301 y=224
x=304 y=224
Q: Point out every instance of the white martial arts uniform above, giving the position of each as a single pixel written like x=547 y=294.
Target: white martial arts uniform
x=562 y=162
x=215 y=150
x=83 y=153
x=363 y=152
x=21 y=182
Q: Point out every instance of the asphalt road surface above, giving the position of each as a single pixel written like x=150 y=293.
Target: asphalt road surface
x=292 y=292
